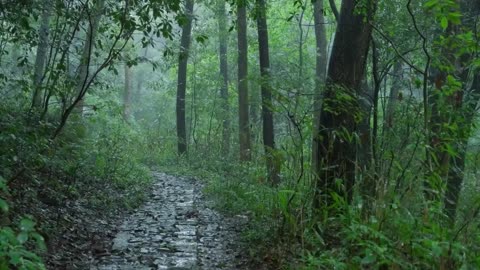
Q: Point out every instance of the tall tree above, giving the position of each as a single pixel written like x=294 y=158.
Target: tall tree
x=397 y=77
x=340 y=108
x=127 y=92
x=41 y=57
x=464 y=103
x=266 y=90
x=84 y=73
x=182 y=77
x=222 y=50
x=243 y=115
x=446 y=101
x=320 y=72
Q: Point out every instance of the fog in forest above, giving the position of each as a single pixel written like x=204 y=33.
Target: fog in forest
x=239 y=134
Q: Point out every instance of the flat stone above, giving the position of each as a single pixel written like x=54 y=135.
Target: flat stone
x=175 y=229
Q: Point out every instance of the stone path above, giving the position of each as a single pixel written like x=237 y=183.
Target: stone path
x=175 y=229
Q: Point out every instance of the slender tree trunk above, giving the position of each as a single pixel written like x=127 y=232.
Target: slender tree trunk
x=340 y=109
x=300 y=44
x=127 y=94
x=88 y=47
x=243 y=117
x=266 y=89
x=223 y=48
x=367 y=131
x=394 y=92
x=41 y=57
x=320 y=73
x=182 y=78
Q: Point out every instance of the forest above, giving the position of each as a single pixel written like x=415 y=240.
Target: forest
x=239 y=134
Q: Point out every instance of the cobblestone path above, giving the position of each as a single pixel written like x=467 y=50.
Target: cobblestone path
x=175 y=229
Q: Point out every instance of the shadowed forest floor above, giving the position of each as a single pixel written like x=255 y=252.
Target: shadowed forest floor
x=175 y=229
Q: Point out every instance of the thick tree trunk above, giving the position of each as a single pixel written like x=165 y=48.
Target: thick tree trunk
x=320 y=72
x=182 y=78
x=457 y=163
x=223 y=48
x=449 y=107
x=273 y=166
x=41 y=57
x=243 y=117
x=340 y=110
x=470 y=102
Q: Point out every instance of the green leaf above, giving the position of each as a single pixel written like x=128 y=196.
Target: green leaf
x=3 y=205
x=40 y=241
x=15 y=258
x=22 y=237
x=27 y=225
x=444 y=23
x=3 y=184
x=370 y=258
x=431 y=4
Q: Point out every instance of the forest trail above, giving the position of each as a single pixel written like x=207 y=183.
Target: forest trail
x=175 y=229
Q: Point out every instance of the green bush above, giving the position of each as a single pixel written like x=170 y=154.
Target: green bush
x=15 y=242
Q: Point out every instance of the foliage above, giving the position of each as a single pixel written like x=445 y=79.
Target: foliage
x=15 y=242
x=81 y=144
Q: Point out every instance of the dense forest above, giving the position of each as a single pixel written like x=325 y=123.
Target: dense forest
x=291 y=134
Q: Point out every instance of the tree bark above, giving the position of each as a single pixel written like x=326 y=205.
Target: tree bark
x=243 y=115
x=127 y=94
x=320 y=73
x=41 y=57
x=273 y=166
x=84 y=69
x=394 y=92
x=223 y=49
x=182 y=78
x=340 y=110
x=469 y=107
x=457 y=166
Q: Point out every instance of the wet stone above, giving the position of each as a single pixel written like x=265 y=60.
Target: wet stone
x=175 y=229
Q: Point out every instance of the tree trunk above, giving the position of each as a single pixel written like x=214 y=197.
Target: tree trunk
x=223 y=48
x=469 y=106
x=127 y=94
x=449 y=107
x=457 y=162
x=456 y=108
x=243 y=117
x=273 y=165
x=182 y=78
x=84 y=69
x=340 y=110
x=394 y=92
x=41 y=57
x=320 y=72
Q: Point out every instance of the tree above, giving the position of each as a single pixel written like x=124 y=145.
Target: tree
x=222 y=53
x=320 y=72
x=84 y=73
x=243 y=115
x=393 y=97
x=182 y=77
x=41 y=57
x=462 y=105
x=127 y=92
x=340 y=109
x=266 y=89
